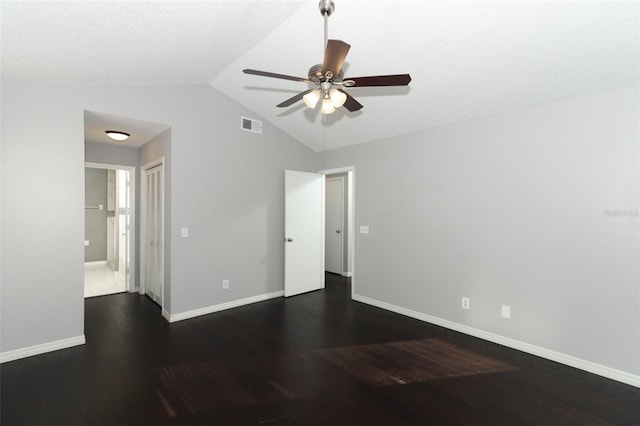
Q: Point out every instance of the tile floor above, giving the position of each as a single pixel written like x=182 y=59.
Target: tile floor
x=99 y=280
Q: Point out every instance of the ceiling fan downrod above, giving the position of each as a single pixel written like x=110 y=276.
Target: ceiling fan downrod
x=326 y=9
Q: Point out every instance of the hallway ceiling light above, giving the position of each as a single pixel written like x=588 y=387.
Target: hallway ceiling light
x=117 y=136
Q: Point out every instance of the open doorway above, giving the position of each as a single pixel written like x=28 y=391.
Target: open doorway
x=339 y=227
x=109 y=246
x=335 y=224
x=306 y=230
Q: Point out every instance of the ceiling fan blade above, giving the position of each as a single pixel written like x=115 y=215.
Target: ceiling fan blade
x=292 y=100
x=380 y=80
x=351 y=104
x=274 y=75
x=334 y=56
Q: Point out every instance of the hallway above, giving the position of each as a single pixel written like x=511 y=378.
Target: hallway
x=100 y=280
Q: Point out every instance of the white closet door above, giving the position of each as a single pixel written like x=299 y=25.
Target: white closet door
x=154 y=237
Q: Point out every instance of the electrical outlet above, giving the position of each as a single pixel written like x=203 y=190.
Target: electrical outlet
x=225 y=284
x=466 y=303
x=506 y=311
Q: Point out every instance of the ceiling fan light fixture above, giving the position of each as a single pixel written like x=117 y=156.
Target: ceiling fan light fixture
x=117 y=135
x=337 y=97
x=327 y=106
x=311 y=99
x=328 y=75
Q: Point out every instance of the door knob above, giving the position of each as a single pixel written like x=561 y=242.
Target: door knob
x=337 y=231
x=289 y=240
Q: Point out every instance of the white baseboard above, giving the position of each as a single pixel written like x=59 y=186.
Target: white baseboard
x=41 y=349
x=166 y=315
x=221 y=307
x=347 y=274
x=96 y=262
x=591 y=367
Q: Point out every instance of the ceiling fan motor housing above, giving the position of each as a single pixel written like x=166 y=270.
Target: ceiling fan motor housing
x=315 y=75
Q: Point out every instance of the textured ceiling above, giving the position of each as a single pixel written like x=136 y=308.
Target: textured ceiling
x=130 y=42
x=467 y=59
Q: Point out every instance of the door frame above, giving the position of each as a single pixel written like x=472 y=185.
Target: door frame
x=143 y=225
x=351 y=243
x=342 y=214
x=131 y=285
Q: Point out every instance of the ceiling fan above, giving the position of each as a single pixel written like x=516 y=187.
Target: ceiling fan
x=327 y=81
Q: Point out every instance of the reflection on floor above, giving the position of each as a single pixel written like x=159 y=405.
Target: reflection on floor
x=99 y=280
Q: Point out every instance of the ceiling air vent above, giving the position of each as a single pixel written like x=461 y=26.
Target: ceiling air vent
x=250 y=125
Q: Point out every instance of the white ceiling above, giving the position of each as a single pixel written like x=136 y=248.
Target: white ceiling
x=467 y=59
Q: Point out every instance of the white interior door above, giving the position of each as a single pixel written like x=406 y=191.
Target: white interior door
x=334 y=225
x=154 y=253
x=304 y=232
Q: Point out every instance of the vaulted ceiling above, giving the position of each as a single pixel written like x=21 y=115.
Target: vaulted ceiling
x=467 y=58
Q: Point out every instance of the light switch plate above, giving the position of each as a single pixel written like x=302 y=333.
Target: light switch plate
x=184 y=232
x=364 y=229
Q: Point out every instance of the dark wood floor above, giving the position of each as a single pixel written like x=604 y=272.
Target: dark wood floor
x=318 y=359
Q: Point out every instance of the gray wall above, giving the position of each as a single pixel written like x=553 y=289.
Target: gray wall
x=536 y=209
x=518 y=209
x=236 y=230
x=42 y=192
x=111 y=154
x=95 y=221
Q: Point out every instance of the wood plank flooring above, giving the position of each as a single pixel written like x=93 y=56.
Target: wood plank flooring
x=314 y=359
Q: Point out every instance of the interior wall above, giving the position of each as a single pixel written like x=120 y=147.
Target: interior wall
x=42 y=219
x=111 y=154
x=236 y=229
x=535 y=209
x=95 y=220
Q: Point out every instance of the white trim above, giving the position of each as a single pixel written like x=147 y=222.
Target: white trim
x=322 y=227
x=41 y=349
x=591 y=367
x=93 y=165
x=151 y=164
x=166 y=315
x=221 y=307
x=346 y=274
